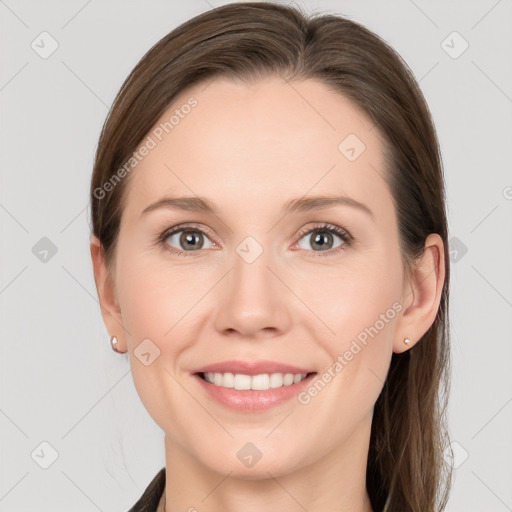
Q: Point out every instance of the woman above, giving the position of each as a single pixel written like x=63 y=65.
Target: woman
x=270 y=247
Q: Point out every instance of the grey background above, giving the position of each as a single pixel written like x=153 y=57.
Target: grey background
x=61 y=383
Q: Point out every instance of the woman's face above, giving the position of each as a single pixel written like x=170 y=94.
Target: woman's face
x=247 y=283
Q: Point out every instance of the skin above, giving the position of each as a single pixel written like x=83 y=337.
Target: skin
x=248 y=149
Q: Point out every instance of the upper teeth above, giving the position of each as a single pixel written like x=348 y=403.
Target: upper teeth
x=258 y=382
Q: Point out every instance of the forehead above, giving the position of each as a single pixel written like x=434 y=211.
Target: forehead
x=260 y=144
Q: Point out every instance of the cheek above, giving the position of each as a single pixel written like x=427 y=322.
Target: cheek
x=353 y=294
x=154 y=295
x=154 y=303
x=359 y=302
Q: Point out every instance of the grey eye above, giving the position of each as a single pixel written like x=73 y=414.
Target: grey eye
x=188 y=240
x=320 y=239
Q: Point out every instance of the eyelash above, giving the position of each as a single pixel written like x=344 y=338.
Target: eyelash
x=331 y=228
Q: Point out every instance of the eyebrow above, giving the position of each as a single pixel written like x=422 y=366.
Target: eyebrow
x=302 y=204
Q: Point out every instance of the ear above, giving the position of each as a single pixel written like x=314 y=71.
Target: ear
x=422 y=295
x=105 y=285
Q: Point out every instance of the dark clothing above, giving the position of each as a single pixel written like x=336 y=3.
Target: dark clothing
x=149 y=500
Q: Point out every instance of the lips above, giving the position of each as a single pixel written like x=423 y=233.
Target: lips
x=251 y=400
x=251 y=368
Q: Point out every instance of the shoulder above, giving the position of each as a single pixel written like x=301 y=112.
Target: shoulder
x=149 y=500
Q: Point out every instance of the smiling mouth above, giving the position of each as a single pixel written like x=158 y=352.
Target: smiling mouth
x=261 y=382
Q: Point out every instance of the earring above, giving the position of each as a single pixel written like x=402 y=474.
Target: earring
x=113 y=342
x=407 y=341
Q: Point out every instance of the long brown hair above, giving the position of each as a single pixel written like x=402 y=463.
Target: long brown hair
x=247 y=41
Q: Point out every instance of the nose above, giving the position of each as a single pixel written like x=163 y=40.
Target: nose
x=253 y=302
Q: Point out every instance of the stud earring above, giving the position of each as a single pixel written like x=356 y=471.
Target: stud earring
x=113 y=342
x=407 y=341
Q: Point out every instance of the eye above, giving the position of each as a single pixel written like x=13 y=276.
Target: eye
x=322 y=238
x=186 y=239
